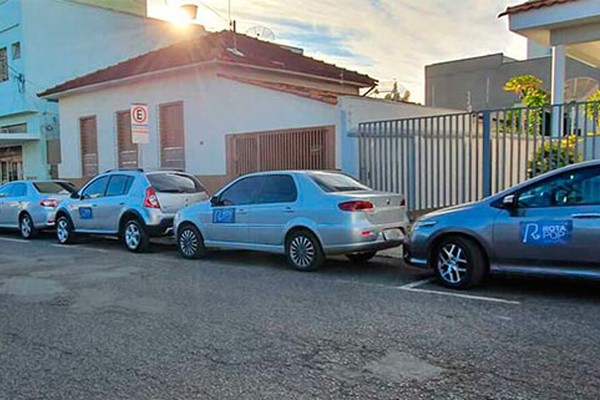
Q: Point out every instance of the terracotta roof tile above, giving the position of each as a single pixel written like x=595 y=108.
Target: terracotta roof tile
x=532 y=5
x=217 y=47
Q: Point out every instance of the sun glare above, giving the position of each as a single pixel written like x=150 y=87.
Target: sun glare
x=177 y=16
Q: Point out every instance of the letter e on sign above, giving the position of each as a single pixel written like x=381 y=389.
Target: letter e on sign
x=139 y=123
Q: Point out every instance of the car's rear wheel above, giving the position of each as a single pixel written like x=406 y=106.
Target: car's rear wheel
x=190 y=242
x=135 y=237
x=26 y=227
x=64 y=230
x=303 y=251
x=459 y=263
x=359 y=258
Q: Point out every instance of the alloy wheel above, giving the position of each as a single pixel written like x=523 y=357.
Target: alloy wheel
x=302 y=251
x=132 y=236
x=26 y=226
x=188 y=243
x=452 y=263
x=62 y=230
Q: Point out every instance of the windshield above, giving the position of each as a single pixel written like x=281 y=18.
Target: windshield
x=55 y=187
x=330 y=182
x=175 y=183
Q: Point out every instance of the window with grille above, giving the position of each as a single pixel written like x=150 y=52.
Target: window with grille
x=172 y=151
x=128 y=151
x=3 y=65
x=89 y=146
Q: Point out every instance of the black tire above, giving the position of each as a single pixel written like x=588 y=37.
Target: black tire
x=135 y=237
x=26 y=227
x=64 y=230
x=303 y=251
x=360 y=258
x=459 y=263
x=190 y=242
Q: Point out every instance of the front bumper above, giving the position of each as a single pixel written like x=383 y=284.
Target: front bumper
x=412 y=259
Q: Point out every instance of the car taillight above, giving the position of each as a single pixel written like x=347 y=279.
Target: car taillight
x=358 y=205
x=50 y=203
x=151 y=200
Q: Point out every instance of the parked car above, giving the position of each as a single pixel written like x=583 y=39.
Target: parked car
x=549 y=225
x=306 y=215
x=133 y=204
x=30 y=206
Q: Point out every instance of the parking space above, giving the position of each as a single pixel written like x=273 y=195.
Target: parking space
x=93 y=320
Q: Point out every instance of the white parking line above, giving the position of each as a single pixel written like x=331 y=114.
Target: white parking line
x=64 y=246
x=15 y=240
x=413 y=285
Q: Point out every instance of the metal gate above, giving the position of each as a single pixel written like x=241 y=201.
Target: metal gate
x=444 y=160
x=305 y=148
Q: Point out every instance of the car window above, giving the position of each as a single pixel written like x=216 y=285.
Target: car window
x=330 y=182
x=241 y=192
x=277 y=189
x=572 y=188
x=5 y=190
x=54 y=187
x=119 y=185
x=175 y=183
x=96 y=188
x=18 y=190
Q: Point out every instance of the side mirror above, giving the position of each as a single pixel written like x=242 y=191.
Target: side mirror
x=214 y=201
x=75 y=195
x=510 y=201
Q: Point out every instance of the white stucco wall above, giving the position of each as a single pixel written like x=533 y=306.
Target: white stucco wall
x=213 y=107
x=354 y=110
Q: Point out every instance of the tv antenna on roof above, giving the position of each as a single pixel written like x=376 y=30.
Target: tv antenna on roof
x=261 y=32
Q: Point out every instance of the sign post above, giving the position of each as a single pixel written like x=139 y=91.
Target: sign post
x=139 y=127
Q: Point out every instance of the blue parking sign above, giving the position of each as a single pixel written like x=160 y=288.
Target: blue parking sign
x=224 y=216
x=85 y=212
x=546 y=233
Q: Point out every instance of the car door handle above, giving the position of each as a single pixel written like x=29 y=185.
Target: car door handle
x=288 y=210
x=242 y=211
x=586 y=216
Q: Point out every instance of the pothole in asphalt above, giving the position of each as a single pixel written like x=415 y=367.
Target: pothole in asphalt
x=401 y=367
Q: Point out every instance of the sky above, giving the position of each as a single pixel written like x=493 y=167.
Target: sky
x=387 y=39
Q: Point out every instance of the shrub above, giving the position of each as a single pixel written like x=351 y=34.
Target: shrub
x=555 y=153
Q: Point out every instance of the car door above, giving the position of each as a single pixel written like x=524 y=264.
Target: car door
x=276 y=204
x=86 y=208
x=555 y=223
x=4 y=199
x=107 y=209
x=14 y=203
x=230 y=211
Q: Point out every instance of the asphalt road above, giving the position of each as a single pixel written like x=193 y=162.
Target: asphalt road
x=93 y=321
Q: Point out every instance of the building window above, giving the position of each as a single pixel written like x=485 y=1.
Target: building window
x=172 y=150
x=89 y=146
x=16 y=128
x=3 y=65
x=127 y=150
x=16 y=50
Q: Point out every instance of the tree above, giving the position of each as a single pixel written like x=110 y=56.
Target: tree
x=530 y=90
x=593 y=108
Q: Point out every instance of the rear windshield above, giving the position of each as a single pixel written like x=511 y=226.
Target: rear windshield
x=331 y=183
x=54 y=187
x=175 y=183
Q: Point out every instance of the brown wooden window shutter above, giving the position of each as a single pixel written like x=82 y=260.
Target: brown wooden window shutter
x=89 y=146
x=172 y=149
x=127 y=150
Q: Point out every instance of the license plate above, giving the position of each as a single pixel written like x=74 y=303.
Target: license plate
x=393 y=234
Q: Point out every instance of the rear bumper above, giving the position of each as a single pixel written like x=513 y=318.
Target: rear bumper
x=346 y=241
x=44 y=218
x=361 y=247
x=163 y=228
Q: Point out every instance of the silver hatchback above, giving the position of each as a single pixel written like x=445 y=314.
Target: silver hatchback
x=306 y=215
x=549 y=225
x=133 y=204
x=30 y=206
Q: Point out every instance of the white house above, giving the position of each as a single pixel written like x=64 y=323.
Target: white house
x=219 y=106
x=43 y=43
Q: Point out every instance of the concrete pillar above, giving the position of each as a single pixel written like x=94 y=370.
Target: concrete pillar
x=559 y=62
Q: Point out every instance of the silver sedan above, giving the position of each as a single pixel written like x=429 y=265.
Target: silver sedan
x=31 y=205
x=549 y=225
x=306 y=215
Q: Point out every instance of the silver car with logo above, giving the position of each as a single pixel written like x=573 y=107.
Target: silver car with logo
x=306 y=215
x=132 y=204
x=549 y=225
x=30 y=206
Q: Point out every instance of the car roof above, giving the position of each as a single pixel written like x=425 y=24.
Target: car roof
x=293 y=172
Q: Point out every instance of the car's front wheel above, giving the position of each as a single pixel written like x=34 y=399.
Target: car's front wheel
x=64 y=230
x=459 y=263
x=303 y=251
x=135 y=237
x=26 y=227
x=190 y=242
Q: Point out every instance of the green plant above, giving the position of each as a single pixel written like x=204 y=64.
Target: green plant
x=593 y=107
x=555 y=154
x=530 y=90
